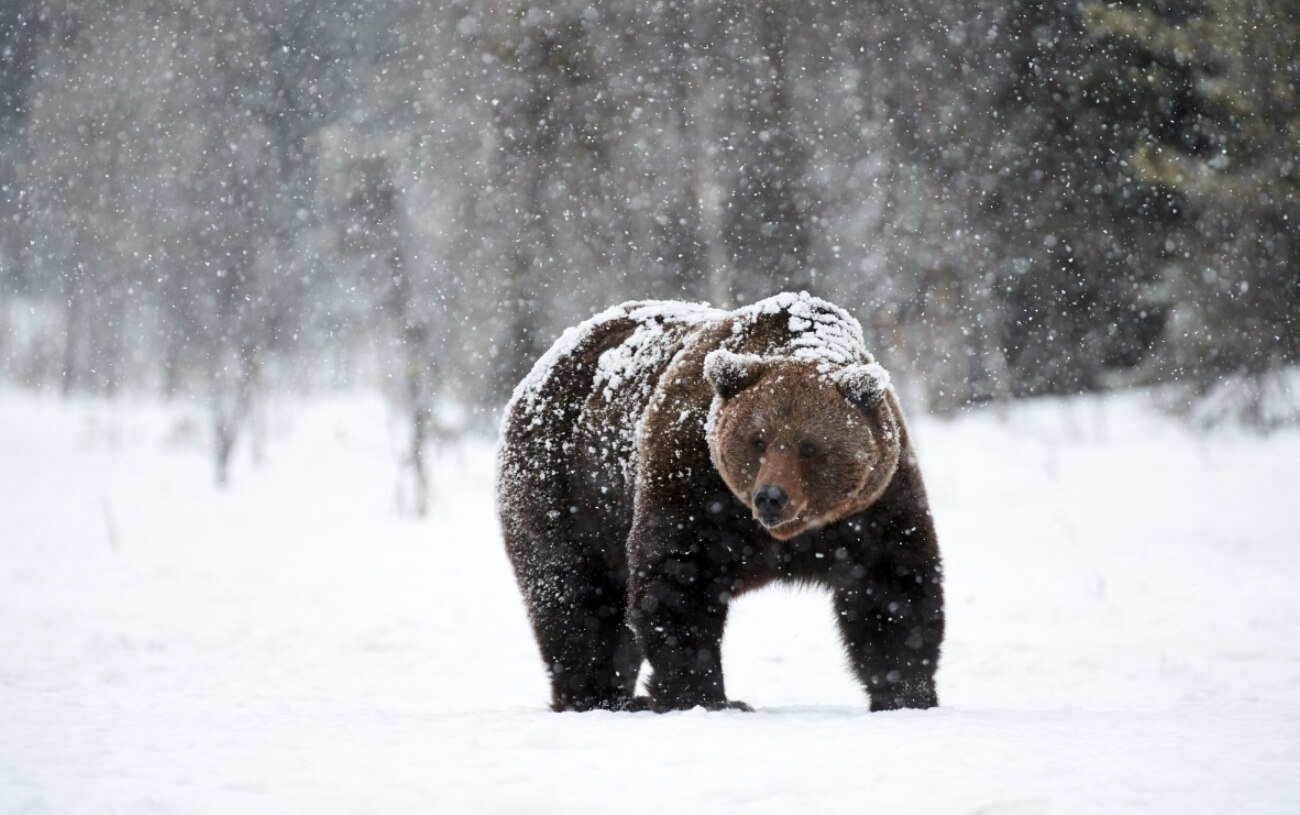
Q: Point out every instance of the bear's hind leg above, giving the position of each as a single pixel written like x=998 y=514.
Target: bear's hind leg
x=577 y=615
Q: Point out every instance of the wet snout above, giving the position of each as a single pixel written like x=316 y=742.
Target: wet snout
x=777 y=498
x=769 y=500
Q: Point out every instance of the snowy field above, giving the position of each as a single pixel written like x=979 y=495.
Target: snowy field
x=1124 y=633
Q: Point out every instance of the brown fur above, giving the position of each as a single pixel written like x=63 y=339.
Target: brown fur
x=622 y=557
x=793 y=429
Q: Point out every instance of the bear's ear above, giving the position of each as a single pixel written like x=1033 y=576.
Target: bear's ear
x=863 y=385
x=729 y=373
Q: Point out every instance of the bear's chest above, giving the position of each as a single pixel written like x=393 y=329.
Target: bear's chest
x=816 y=555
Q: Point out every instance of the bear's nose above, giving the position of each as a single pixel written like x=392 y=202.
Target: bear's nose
x=769 y=500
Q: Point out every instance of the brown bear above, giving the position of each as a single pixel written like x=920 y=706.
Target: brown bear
x=663 y=458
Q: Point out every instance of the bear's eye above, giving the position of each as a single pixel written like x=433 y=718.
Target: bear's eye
x=759 y=445
x=807 y=449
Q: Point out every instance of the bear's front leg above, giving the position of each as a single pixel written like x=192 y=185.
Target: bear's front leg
x=890 y=617
x=677 y=610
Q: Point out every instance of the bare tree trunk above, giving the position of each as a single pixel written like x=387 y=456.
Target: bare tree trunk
x=420 y=412
x=413 y=332
x=72 y=335
x=768 y=225
x=949 y=376
x=995 y=352
x=523 y=345
x=707 y=192
x=233 y=403
x=417 y=386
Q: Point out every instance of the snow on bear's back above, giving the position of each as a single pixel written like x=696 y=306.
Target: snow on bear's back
x=815 y=330
x=660 y=323
x=642 y=350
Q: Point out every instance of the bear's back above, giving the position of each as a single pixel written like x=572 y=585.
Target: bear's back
x=569 y=432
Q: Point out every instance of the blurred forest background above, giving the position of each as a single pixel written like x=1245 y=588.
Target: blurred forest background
x=227 y=199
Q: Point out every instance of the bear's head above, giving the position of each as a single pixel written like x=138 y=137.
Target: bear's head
x=801 y=443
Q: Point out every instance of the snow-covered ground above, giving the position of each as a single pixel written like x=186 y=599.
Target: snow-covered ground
x=1124 y=635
